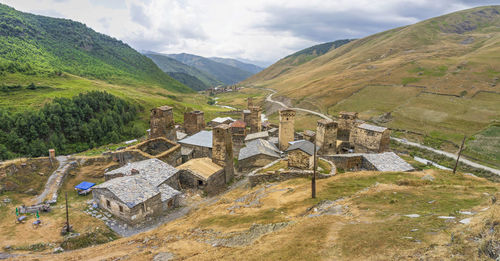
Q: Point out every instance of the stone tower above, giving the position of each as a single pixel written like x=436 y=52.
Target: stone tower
x=194 y=122
x=346 y=122
x=326 y=137
x=249 y=102
x=222 y=149
x=162 y=123
x=255 y=119
x=286 y=128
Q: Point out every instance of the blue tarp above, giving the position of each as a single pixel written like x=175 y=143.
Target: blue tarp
x=85 y=185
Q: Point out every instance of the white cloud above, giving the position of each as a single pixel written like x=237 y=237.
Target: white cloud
x=255 y=30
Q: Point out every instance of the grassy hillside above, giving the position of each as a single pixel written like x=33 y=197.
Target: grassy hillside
x=169 y=65
x=32 y=44
x=295 y=59
x=251 y=68
x=189 y=80
x=222 y=72
x=438 y=77
x=356 y=216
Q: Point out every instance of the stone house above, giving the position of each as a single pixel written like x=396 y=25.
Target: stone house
x=139 y=191
x=387 y=161
x=346 y=122
x=202 y=174
x=198 y=145
x=309 y=135
x=326 y=137
x=257 y=153
x=300 y=154
x=368 y=138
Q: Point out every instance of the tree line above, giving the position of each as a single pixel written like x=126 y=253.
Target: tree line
x=83 y=122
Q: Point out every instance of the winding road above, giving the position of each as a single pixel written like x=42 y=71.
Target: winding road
x=463 y=160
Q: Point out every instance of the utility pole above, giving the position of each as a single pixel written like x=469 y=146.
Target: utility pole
x=458 y=156
x=313 y=180
x=67 y=215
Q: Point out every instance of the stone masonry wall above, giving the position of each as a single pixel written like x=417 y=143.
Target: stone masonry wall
x=286 y=128
x=326 y=137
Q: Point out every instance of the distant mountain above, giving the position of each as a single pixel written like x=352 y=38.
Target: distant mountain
x=225 y=73
x=189 y=80
x=297 y=59
x=252 y=68
x=178 y=69
x=33 y=44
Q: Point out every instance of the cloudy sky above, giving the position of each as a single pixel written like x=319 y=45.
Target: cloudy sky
x=258 y=30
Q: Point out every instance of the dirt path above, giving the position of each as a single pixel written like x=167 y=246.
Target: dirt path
x=54 y=181
x=269 y=98
x=448 y=154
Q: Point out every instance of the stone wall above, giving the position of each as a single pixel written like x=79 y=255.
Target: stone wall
x=222 y=149
x=299 y=159
x=150 y=208
x=326 y=137
x=350 y=162
x=346 y=122
x=255 y=122
x=286 y=128
x=194 y=122
x=256 y=161
x=162 y=123
x=255 y=178
x=160 y=148
x=213 y=185
x=369 y=141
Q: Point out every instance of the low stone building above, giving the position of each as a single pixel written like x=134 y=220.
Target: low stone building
x=198 y=145
x=387 y=161
x=368 y=138
x=300 y=154
x=202 y=174
x=257 y=153
x=258 y=135
x=157 y=148
x=139 y=190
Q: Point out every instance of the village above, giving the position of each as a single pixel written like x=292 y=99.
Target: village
x=154 y=173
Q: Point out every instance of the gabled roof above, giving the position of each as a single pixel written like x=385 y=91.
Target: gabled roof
x=257 y=135
x=388 y=161
x=202 y=139
x=131 y=190
x=155 y=169
x=303 y=145
x=222 y=120
x=258 y=147
x=180 y=135
x=204 y=167
x=372 y=127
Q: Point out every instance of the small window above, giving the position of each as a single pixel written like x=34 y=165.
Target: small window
x=121 y=209
x=200 y=182
x=108 y=204
x=170 y=203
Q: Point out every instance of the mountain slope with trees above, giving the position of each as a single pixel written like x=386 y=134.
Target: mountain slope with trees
x=222 y=72
x=238 y=64
x=32 y=44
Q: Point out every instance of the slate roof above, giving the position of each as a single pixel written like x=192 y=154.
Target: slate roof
x=257 y=147
x=388 y=161
x=131 y=190
x=202 y=139
x=149 y=182
x=372 y=127
x=257 y=135
x=303 y=145
x=222 y=120
x=154 y=168
x=309 y=133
